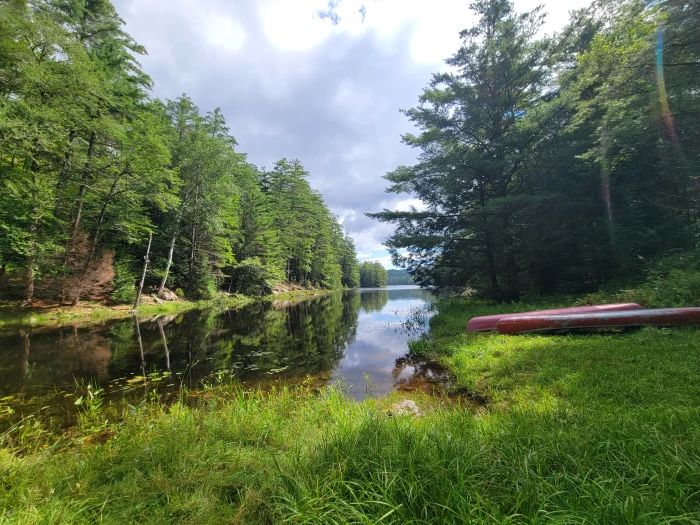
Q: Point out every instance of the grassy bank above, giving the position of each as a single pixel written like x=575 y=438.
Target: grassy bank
x=14 y=316
x=559 y=429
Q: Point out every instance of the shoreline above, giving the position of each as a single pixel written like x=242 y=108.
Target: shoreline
x=578 y=421
x=87 y=313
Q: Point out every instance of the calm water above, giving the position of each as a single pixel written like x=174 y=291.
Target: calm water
x=358 y=336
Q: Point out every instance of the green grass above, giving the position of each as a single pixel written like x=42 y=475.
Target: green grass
x=557 y=429
x=12 y=315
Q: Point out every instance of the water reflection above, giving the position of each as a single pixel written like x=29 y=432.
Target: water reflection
x=350 y=335
x=410 y=376
x=374 y=300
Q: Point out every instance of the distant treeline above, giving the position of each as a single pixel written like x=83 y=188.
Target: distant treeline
x=555 y=163
x=91 y=168
x=373 y=275
x=397 y=277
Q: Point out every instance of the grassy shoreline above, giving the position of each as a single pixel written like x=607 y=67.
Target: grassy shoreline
x=600 y=428
x=14 y=316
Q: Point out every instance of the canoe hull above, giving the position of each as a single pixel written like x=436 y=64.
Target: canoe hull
x=651 y=317
x=490 y=322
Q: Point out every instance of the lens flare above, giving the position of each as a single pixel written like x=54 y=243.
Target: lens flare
x=663 y=96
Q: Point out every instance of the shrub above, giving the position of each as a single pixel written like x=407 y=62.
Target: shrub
x=205 y=285
x=252 y=277
x=670 y=282
x=124 y=284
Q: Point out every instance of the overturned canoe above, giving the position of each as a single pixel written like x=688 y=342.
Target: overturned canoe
x=489 y=322
x=651 y=317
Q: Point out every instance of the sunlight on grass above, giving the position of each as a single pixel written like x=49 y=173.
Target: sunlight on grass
x=575 y=429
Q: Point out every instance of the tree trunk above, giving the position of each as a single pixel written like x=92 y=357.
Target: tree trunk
x=145 y=269
x=95 y=242
x=491 y=263
x=25 y=357
x=143 y=358
x=78 y=215
x=168 y=264
x=173 y=241
x=33 y=231
x=488 y=245
x=103 y=211
x=159 y=322
x=3 y=272
x=193 y=252
x=31 y=260
x=512 y=272
x=83 y=187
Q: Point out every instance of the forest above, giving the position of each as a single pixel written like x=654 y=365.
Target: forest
x=373 y=275
x=398 y=277
x=96 y=176
x=555 y=164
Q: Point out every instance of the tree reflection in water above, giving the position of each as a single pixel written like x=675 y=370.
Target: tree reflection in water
x=260 y=344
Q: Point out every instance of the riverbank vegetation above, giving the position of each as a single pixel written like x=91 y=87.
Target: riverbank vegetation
x=554 y=164
x=373 y=275
x=95 y=176
x=88 y=312
x=399 y=277
x=537 y=429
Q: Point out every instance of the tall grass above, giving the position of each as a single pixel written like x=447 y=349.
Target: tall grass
x=576 y=429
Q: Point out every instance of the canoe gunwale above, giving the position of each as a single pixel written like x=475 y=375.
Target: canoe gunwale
x=616 y=319
x=489 y=323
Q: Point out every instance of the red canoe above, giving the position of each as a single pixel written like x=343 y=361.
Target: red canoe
x=656 y=317
x=490 y=322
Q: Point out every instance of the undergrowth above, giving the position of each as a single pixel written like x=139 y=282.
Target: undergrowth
x=673 y=281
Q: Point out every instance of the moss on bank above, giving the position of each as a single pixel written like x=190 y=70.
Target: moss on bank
x=558 y=429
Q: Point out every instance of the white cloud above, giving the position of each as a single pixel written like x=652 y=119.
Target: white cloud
x=292 y=26
x=435 y=26
x=372 y=239
x=294 y=85
x=225 y=33
x=385 y=261
x=407 y=204
x=347 y=216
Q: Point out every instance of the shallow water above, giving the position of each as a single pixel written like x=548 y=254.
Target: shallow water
x=357 y=337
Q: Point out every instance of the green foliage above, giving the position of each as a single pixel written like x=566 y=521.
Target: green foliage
x=252 y=277
x=124 y=284
x=554 y=164
x=348 y=263
x=397 y=277
x=202 y=283
x=670 y=282
x=94 y=174
x=373 y=275
x=310 y=245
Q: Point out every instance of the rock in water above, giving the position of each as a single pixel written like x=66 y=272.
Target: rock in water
x=167 y=295
x=405 y=407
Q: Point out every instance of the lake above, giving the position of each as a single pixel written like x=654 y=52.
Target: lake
x=358 y=338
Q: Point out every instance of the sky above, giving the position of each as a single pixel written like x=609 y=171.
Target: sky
x=296 y=79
